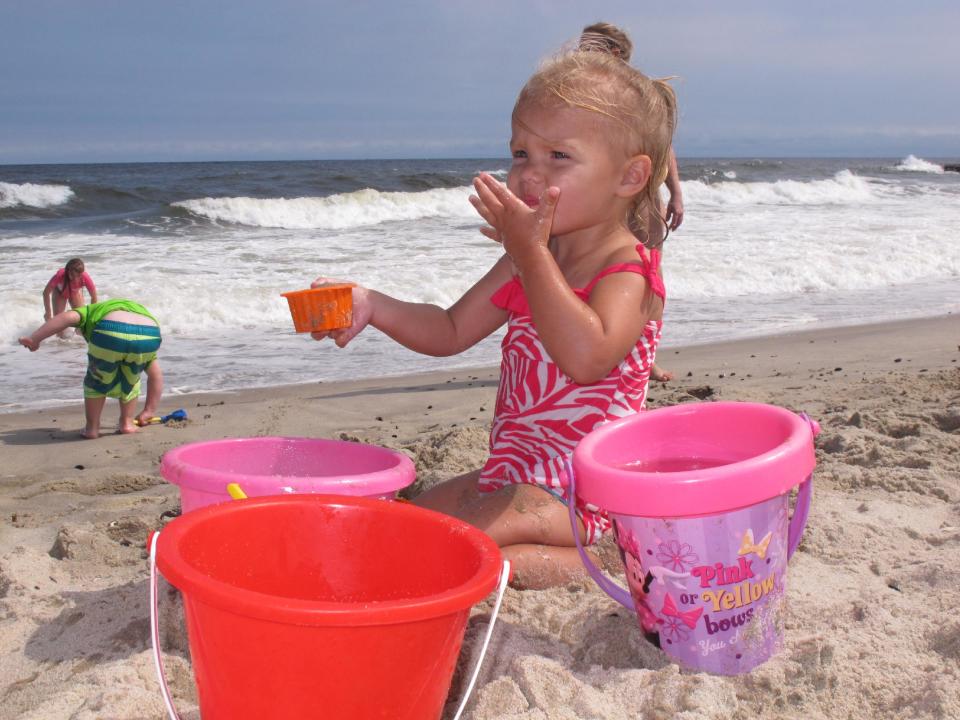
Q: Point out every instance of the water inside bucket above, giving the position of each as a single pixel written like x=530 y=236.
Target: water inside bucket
x=675 y=464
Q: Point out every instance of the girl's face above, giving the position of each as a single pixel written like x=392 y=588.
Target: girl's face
x=571 y=149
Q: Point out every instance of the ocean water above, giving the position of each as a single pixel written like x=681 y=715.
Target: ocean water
x=767 y=246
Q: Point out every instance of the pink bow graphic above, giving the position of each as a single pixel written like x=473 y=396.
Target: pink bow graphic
x=689 y=617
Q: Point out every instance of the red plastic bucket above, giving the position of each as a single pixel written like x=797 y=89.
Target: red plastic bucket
x=310 y=606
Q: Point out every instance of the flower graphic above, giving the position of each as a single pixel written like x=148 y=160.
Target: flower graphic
x=676 y=556
x=674 y=630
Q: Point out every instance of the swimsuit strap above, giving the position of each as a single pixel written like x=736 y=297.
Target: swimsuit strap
x=648 y=269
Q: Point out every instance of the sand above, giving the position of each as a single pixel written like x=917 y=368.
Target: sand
x=873 y=591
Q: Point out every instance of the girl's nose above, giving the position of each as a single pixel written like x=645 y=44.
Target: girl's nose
x=531 y=173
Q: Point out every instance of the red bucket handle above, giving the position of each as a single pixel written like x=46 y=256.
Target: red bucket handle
x=158 y=660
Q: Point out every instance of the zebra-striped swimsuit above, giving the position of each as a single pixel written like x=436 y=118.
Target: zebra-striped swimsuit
x=542 y=414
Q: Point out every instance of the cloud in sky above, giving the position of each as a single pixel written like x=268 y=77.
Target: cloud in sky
x=113 y=80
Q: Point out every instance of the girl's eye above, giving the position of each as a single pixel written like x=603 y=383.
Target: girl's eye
x=559 y=155
x=519 y=153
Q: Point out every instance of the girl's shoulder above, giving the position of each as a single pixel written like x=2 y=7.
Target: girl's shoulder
x=635 y=259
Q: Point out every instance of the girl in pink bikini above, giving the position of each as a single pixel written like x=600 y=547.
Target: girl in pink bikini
x=582 y=300
x=65 y=286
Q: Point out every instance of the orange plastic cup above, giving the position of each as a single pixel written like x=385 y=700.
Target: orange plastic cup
x=328 y=307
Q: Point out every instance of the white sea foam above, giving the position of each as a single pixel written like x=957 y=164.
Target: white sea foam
x=751 y=257
x=33 y=195
x=843 y=188
x=336 y=212
x=912 y=163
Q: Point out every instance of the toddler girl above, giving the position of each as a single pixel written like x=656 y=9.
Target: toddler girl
x=581 y=297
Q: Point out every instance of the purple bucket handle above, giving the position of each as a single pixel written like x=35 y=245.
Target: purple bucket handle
x=605 y=583
x=802 y=508
x=794 y=533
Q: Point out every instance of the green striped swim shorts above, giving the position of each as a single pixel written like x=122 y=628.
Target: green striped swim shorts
x=117 y=354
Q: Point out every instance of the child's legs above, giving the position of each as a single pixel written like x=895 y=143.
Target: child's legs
x=511 y=515
x=531 y=526
x=452 y=495
x=76 y=299
x=59 y=302
x=536 y=567
x=128 y=410
x=92 y=409
x=59 y=305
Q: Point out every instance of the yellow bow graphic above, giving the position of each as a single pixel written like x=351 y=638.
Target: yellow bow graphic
x=747 y=545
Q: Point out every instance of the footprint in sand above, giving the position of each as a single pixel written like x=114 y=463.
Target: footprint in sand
x=115 y=484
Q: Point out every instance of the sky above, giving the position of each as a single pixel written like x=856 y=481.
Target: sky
x=129 y=80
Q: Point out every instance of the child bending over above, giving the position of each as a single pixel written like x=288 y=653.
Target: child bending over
x=122 y=342
x=581 y=297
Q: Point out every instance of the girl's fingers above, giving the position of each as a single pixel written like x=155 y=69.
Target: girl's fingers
x=490 y=233
x=481 y=209
x=486 y=196
x=500 y=191
x=548 y=204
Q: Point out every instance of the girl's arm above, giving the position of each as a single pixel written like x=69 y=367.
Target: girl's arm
x=91 y=288
x=586 y=340
x=674 y=215
x=56 y=324
x=47 y=307
x=423 y=327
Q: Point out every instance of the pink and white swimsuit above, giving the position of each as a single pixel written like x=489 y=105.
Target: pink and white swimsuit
x=541 y=414
x=65 y=287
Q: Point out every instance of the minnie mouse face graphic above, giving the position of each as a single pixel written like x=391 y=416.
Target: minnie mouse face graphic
x=638 y=580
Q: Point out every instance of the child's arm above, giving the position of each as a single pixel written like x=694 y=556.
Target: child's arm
x=47 y=306
x=425 y=328
x=585 y=340
x=91 y=288
x=674 y=215
x=154 y=392
x=56 y=324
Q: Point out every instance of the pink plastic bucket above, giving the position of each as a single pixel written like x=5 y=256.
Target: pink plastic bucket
x=280 y=465
x=699 y=496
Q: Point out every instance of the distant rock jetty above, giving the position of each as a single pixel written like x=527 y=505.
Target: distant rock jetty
x=952 y=167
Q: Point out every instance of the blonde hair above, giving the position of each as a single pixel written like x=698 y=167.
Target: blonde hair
x=604 y=37
x=642 y=113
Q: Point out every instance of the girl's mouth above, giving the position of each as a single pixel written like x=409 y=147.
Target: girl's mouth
x=531 y=200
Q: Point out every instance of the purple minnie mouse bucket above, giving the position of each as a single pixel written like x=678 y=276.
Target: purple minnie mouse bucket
x=699 y=497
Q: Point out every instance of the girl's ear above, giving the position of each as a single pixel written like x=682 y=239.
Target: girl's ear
x=636 y=175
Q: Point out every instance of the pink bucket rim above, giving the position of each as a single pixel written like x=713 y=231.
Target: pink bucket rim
x=388 y=480
x=694 y=493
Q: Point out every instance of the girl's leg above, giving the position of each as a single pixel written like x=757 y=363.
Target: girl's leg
x=59 y=305
x=128 y=411
x=76 y=299
x=451 y=495
x=92 y=408
x=537 y=567
x=531 y=526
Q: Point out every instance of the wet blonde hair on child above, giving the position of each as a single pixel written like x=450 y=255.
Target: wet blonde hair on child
x=641 y=113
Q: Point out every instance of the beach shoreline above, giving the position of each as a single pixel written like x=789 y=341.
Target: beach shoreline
x=871 y=631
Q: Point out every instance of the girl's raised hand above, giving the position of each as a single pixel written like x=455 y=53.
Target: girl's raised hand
x=516 y=226
x=362 y=312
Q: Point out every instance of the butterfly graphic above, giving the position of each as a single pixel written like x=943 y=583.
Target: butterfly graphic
x=759 y=549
